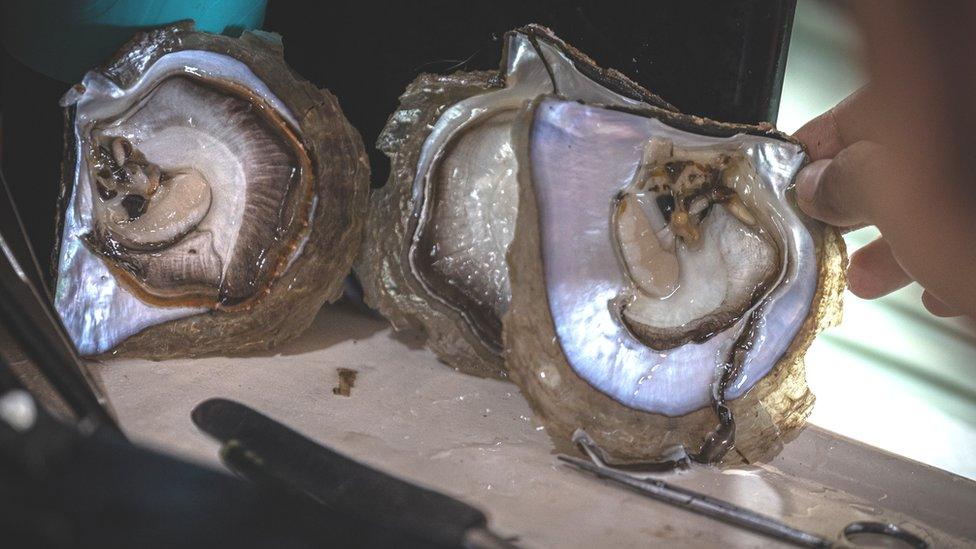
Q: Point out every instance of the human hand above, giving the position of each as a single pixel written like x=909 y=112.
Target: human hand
x=926 y=236
x=897 y=155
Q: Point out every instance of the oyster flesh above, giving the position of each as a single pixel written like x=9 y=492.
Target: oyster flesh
x=207 y=192
x=437 y=233
x=664 y=284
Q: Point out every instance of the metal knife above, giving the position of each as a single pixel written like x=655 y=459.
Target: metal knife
x=265 y=451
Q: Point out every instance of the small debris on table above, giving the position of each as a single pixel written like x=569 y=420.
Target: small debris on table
x=347 y=380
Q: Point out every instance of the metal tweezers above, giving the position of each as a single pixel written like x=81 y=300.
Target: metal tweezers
x=649 y=485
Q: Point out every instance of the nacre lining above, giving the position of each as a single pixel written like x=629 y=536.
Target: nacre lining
x=601 y=149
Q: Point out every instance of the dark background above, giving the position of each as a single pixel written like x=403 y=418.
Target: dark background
x=724 y=60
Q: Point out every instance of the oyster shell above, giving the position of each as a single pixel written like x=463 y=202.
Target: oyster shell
x=212 y=201
x=437 y=233
x=664 y=284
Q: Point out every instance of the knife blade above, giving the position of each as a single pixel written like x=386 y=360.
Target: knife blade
x=266 y=451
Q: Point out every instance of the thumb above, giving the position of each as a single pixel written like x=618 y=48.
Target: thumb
x=843 y=190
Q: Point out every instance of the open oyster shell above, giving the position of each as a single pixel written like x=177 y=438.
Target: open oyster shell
x=437 y=233
x=665 y=287
x=212 y=201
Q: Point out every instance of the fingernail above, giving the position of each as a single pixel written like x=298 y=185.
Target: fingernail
x=807 y=181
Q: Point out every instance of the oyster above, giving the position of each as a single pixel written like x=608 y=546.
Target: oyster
x=664 y=284
x=212 y=201
x=437 y=233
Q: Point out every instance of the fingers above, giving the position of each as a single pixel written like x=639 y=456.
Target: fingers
x=821 y=136
x=844 y=124
x=843 y=191
x=874 y=272
x=937 y=307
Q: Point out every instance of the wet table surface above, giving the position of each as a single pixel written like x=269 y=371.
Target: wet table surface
x=476 y=439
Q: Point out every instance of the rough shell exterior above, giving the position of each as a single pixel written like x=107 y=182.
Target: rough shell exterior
x=383 y=266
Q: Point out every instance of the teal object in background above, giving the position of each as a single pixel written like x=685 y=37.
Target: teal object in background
x=63 y=39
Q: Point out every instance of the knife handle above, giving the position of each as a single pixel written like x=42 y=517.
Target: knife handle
x=266 y=451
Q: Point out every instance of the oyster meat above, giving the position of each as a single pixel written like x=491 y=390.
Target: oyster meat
x=437 y=233
x=664 y=284
x=207 y=191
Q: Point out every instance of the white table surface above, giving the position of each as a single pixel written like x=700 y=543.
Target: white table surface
x=475 y=439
